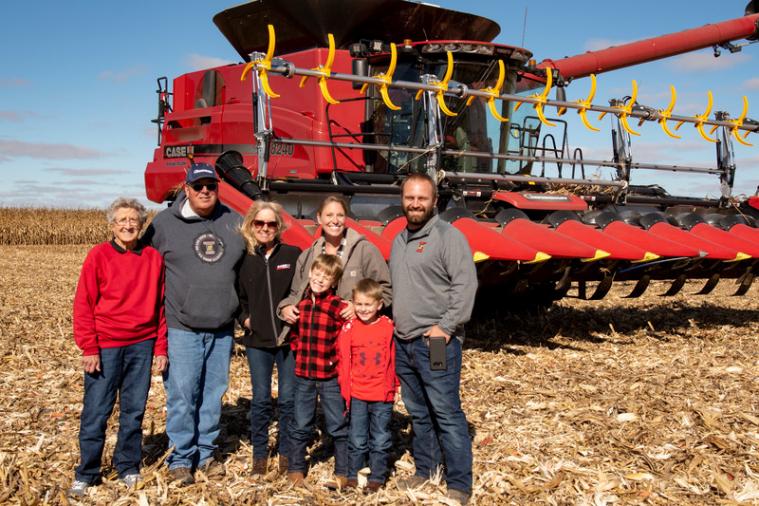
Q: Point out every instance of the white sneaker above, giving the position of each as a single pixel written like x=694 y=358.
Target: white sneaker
x=79 y=488
x=131 y=480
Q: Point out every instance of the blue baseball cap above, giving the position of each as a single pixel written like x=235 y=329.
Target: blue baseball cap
x=200 y=171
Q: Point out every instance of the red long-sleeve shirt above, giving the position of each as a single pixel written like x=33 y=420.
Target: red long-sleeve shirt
x=366 y=361
x=119 y=299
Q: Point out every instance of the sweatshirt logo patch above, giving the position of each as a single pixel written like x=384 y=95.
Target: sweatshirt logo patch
x=420 y=248
x=283 y=267
x=353 y=274
x=208 y=247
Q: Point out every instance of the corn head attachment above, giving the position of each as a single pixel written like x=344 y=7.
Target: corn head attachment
x=435 y=95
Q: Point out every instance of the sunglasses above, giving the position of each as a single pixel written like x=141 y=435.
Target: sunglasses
x=261 y=223
x=199 y=186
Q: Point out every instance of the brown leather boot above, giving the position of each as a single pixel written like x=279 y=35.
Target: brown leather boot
x=339 y=482
x=373 y=486
x=296 y=478
x=259 y=467
x=282 y=464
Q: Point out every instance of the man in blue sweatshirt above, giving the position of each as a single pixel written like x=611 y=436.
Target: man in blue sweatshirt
x=434 y=283
x=202 y=248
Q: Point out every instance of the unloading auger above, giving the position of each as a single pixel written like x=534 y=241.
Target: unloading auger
x=392 y=99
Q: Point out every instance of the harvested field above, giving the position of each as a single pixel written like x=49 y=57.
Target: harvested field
x=648 y=401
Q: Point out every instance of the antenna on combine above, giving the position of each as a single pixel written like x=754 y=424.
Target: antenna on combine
x=524 y=25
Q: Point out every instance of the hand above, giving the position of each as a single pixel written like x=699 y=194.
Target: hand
x=436 y=331
x=349 y=311
x=290 y=314
x=246 y=323
x=91 y=363
x=160 y=363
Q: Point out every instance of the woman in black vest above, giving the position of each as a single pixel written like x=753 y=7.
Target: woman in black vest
x=264 y=280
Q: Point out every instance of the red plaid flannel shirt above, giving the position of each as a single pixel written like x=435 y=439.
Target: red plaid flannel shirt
x=315 y=343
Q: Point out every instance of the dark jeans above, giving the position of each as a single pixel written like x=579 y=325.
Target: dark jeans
x=304 y=420
x=433 y=401
x=126 y=371
x=261 y=362
x=370 y=437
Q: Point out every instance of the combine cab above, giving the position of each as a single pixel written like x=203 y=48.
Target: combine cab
x=352 y=104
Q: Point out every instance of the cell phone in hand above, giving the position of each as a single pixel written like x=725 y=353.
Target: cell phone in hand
x=437 y=353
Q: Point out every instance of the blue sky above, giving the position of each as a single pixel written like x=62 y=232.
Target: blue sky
x=78 y=85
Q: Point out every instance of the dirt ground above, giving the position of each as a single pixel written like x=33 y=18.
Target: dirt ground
x=646 y=401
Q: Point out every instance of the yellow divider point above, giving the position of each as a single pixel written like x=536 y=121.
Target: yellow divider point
x=479 y=256
x=599 y=255
x=539 y=257
x=738 y=257
x=647 y=257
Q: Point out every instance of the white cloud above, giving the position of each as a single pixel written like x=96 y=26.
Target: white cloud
x=199 y=61
x=121 y=76
x=67 y=195
x=40 y=150
x=85 y=172
x=751 y=84
x=705 y=61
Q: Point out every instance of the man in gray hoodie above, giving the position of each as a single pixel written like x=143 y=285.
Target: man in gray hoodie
x=434 y=284
x=202 y=248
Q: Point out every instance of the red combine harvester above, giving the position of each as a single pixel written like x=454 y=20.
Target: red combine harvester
x=394 y=87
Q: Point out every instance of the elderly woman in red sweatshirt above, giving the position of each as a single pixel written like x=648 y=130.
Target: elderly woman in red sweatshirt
x=119 y=325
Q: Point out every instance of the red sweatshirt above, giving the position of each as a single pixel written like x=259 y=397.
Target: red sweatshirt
x=366 y=364
x=119 y=299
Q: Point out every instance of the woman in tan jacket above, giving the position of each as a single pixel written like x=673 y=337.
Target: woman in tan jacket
x=361 y=259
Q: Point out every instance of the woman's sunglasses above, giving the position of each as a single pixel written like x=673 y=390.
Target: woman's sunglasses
x=261 y=223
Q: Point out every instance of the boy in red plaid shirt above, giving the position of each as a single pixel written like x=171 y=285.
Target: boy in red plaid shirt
x=315 y=347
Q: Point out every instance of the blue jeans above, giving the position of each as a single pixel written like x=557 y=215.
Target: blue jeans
x=261 y=362
x=126 y=371
x=195 y=382
x=433 y=401
x=370 y=437
x=304 y=420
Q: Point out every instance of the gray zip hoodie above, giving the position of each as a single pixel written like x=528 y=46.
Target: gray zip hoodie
x=202 y=256
x=361 y=259
x=434 y=280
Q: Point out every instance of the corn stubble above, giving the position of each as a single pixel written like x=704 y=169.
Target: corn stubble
x=647 y=401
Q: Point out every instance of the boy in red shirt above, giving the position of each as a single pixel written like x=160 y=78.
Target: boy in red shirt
x=368 y=383
x=315 y=347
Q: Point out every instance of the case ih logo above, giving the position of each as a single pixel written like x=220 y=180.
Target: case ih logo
x=178 y=151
